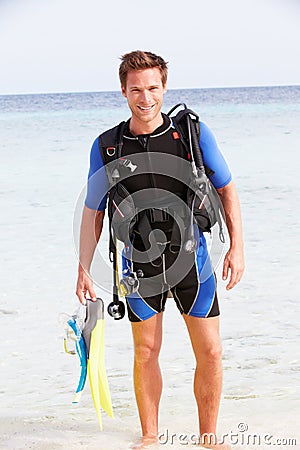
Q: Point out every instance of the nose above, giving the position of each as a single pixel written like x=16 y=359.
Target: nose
x=145 y=96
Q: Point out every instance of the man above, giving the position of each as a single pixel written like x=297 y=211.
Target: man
x=143 y=77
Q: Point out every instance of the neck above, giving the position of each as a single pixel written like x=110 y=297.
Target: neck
x=138 y=127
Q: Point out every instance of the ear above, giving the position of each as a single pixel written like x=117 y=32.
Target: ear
x=165 y=88
x=123 y=91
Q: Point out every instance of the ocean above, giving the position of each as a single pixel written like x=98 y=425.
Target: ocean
x=45 y=144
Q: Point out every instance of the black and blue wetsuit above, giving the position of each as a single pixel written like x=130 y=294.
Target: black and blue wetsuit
x=195 y=291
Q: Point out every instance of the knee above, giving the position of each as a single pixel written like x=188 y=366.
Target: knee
x=212 y=352
x=146 y=353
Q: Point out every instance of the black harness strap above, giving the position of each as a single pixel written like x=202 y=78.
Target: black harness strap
x=180 y=122
x=112 y=140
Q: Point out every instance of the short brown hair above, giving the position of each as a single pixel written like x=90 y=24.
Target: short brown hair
x=139 y=60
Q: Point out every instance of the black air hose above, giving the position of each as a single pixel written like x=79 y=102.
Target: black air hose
x=195 y=144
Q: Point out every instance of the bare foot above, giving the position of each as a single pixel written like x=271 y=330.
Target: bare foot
x=144 y=442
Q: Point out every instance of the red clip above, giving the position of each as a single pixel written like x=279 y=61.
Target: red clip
x=176 y=135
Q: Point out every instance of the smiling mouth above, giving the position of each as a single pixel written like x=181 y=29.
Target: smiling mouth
x=148 y=108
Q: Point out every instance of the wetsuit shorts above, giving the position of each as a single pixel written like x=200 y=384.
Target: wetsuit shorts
x=189 y=277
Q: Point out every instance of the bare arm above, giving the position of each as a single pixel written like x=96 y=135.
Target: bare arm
x=90 y=231
x=234 y=258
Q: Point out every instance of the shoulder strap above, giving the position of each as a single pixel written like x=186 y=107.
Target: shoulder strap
x=187 y=124
x=111 y=143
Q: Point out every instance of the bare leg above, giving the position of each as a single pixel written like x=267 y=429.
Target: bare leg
x=147 y=338
x=206 y=343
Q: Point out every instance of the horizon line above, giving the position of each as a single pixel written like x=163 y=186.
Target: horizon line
x=170 y=89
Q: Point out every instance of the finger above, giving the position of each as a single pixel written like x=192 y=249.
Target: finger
x=234 y=279
x=92 y=294
x=90 y=289
x=232 y=282
x=225 y=269
x=81 y=296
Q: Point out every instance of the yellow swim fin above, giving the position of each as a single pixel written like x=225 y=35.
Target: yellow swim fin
x=93 y=333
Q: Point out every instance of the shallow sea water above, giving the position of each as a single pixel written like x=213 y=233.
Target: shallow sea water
x=45 y=142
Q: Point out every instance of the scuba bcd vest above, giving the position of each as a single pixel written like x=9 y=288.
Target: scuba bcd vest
x=128 y=213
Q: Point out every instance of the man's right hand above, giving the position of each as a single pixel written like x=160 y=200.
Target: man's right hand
x=84 y=286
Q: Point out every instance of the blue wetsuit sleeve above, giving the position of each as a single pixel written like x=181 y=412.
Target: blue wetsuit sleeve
x=97 y=186
x=213 y=158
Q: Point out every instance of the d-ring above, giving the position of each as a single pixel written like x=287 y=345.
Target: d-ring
x=111 y=151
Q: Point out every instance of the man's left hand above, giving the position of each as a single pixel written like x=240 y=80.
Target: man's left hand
x=233 y=266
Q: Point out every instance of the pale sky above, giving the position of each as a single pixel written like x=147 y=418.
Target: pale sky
x=75 y=45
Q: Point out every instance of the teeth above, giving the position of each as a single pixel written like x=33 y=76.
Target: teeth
x=146 y=109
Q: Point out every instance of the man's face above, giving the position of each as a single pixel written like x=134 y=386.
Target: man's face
x=144 y=92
